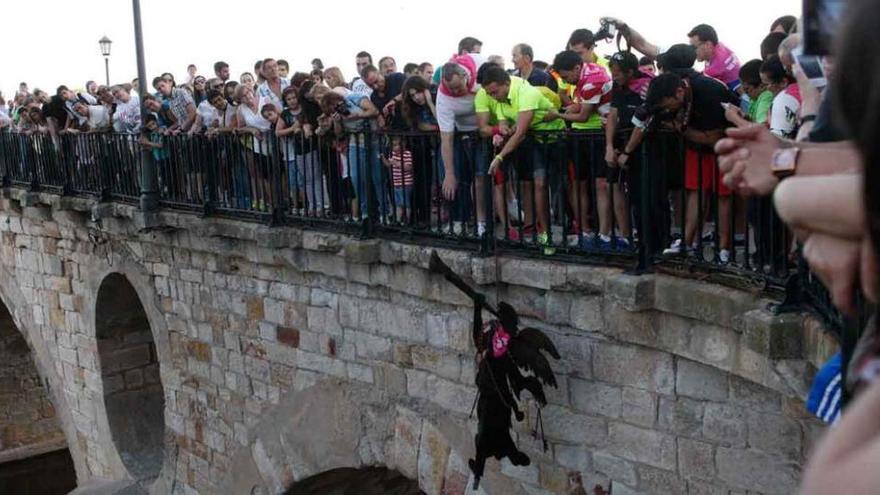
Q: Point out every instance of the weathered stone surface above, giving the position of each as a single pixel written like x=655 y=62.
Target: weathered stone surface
x=245 y=317
x=641 y=445
x=644 y=368
x=700 y=381
x=752 y=470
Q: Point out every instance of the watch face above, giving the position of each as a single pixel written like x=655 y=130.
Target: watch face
x=784 y=160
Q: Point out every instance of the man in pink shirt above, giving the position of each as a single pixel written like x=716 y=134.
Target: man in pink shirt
x=721 y=62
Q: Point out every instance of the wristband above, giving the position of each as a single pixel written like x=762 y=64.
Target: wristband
x=499 y=158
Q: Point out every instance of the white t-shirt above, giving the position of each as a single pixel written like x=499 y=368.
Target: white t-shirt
x=127 y=117
x=99 y=117
x=361 y=88
x=251 y=119
x=208 y=113
x=457 y=112
x=784 y=114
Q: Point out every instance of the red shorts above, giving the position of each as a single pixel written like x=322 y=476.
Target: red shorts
x=694 y=161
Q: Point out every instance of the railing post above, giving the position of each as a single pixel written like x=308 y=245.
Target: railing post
x=149 y=176
x=367 y=226
x=647 y=244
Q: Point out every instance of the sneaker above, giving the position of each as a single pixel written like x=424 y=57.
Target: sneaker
x=676 y=248
x=622 y=244
x=603 y=242
x=544 y=240
x=481 y=229
x=457 y=228
x=513 y=234
x=724 y=256
x=588 y=241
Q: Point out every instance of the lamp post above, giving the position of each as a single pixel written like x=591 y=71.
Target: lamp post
x=149 y=175
x=105 y=43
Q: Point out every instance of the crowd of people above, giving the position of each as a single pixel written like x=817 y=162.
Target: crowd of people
x=331 y=137
x=795 y=139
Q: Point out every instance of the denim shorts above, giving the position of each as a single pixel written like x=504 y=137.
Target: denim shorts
x=403 y=197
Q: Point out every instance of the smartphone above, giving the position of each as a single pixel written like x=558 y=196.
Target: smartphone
x=821 y=23
x=811 y=66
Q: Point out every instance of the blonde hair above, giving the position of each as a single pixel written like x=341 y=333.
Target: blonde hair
x=334 y=74
x=240 y=91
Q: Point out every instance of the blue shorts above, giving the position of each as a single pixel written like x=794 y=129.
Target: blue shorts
x=403 y=197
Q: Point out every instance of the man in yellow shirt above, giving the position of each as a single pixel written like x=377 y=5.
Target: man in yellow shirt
x=520 y=108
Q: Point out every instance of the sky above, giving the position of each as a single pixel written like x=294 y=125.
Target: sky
x=62 y=47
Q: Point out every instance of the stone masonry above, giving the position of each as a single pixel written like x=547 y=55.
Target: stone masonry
x=28 y=425
x=284 y=353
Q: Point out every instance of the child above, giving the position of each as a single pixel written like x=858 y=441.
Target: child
x=401 y=164
x=160 y=154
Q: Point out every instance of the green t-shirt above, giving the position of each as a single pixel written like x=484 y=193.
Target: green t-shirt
x=760 y=108
x=522 y=97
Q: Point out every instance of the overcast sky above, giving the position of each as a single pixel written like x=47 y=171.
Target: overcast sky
x=52 y=42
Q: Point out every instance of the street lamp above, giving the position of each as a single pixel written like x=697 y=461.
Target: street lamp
x=105 y=51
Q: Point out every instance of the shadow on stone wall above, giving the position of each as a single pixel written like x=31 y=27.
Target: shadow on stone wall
x=130 y=370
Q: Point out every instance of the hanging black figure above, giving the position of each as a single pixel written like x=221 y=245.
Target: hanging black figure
x=504 y=352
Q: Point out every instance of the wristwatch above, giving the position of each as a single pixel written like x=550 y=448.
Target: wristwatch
x=784 y=162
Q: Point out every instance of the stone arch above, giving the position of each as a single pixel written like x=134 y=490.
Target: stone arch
x=121 y=261
x=22 y=317
x=133 y=395
x=34 y=457
x=335 y=425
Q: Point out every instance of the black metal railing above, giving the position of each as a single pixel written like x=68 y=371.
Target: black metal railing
x=555 y=196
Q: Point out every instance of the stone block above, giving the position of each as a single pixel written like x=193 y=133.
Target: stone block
x=405 y=444
x=725 y=424
x=634 y=366
x=700 y=381
x=288 y=336
x=321 y=241
x=653 y=480
x=564 y=425
x=639 y=407
x=438 y=362
x=640 y=445
x=775 y=434
x=573 y=457
x=614 y=467
x=750 y=395
x=559 y=307
x=529 y=273
x=433 y=457
x=595 y=398
x=701 y=301
x=774 y=336
x=683 y=417
x=696 y=459
x=633 y=293
x=362 y=252
x=757 y=472
x=586 y=313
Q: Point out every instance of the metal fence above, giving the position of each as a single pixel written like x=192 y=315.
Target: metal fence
x=555 y=196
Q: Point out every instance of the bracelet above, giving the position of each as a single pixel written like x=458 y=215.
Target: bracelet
x=499 y=158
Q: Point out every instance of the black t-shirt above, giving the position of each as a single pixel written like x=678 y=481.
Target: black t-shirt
x=56 y=108
x=393 y=87
x=626 y=102
x=541 y=78
x=707 y=114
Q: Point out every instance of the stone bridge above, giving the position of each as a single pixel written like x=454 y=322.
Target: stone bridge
x=174 y=354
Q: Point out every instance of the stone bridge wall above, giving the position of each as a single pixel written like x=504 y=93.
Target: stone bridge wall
x=666 y=385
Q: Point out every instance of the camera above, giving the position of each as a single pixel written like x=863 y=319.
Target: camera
x=821 y=20
x=607 y=31
x=342 y=109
